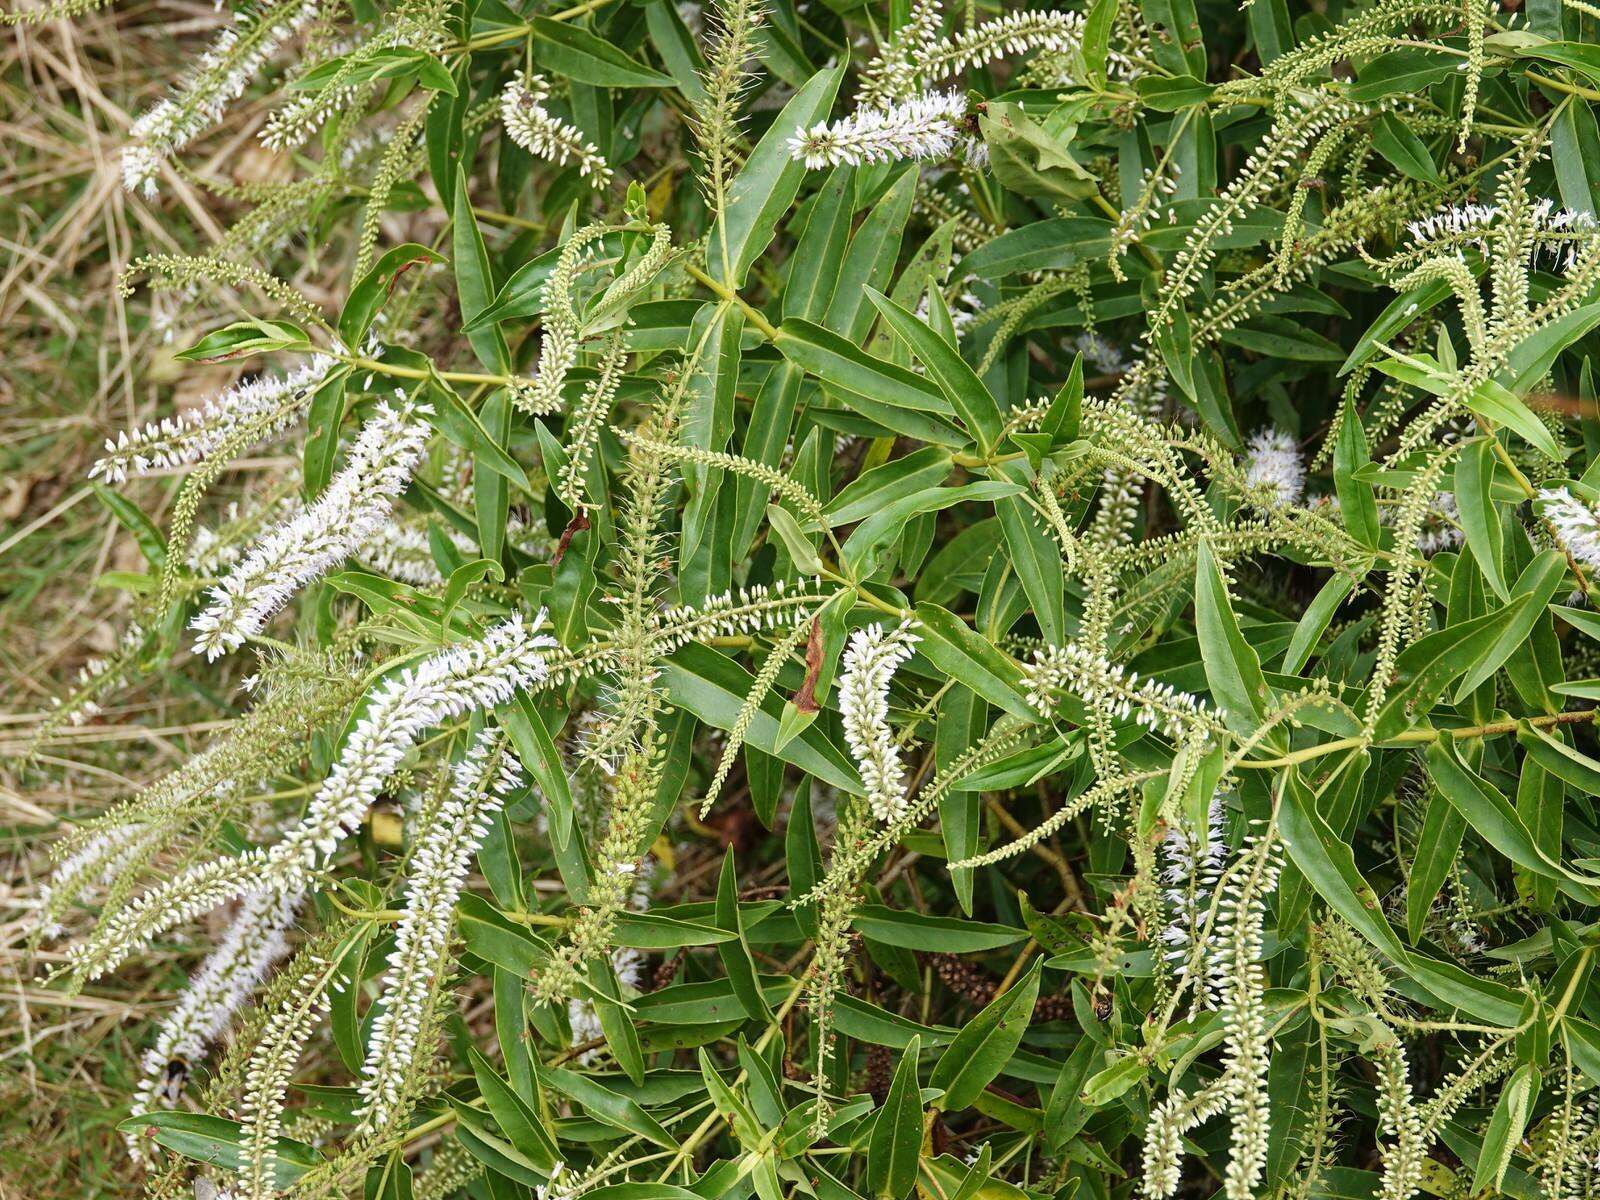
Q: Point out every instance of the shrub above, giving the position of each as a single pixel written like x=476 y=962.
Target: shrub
x=875 y=600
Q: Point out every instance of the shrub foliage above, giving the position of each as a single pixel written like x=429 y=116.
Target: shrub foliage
x=877 y=599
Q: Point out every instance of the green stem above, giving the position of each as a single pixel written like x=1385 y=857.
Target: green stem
x=1420 y=737
x=751 y=314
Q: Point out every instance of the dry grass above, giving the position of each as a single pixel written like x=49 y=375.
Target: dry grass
x=78 y=361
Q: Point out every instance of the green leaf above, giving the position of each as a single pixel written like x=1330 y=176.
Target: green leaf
x=368 y=295
x=1233 y=672
x=573 y=52
x=1314 y=622
x=652 y=931
x=734 y=952
x=1115 y=1080
x=1480 y=520
x=1400 y=312
x=819 y=256
x=892 y=396
x=462 y=426
x=616 y=1022
x=1534 y=589
x=608 y=1106
x=1488 y=812
x=766 y=186
x=1170 y=93
x=322 y=432
x=1328 y=865
x=985 y=1044
x=538 y=753
x=1036 y=558
x=802 y=552
x=923 y=931
x=713 y=687
x=1581 y=57
x=1505 y=1128
x=1501 y=406
x=1574 y=155
x=960 y=384
x=1530 y=360
x=219 y=1142
x=874 y=535
x=1428 y=666
x=896 y=1142
x=1442 y=830
x=1357 y=505
x=1560 y=759
x=1052 y=245
x=500 y=1156
x=1406 y=152
x=802 y=854
x=952 y=646
x=474 y=280
x=495 y=937
x=246 y=339
x=152 y=544
x=516 y=1119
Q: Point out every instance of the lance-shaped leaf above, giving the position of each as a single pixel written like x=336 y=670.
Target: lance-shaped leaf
x=896 y=1142
x=1483 y=807
x=985 y=1044
x=960 y=383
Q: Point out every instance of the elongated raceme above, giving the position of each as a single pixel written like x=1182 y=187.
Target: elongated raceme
x=253 y=944
x=923 y=127
x=926 y=713
x=1104 y=684
x=541 y=133
x=869 y=666
x=466 y=678
x=356 y=504
x=259 y=408
x=220 y=77
x=486 y=774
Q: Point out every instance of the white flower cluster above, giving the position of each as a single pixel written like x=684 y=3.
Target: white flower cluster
x=925 y=126
x=413 y=27
x=1274 y=465
x=97 y=862
x=1191 y=872
x=893 y=74
x=219 y=78
x=1237 y=987
x=1440 y=529
x=754 y=609
x=267 y=1078
x=1015 y=33
x=486 y=775
x=870 y=662
x=266 y=404
x=1100 y=353
x=1557 y=231
x=1163 y=1137
x=355 y=505
x=1576 y=524
x=1101 y=683
x=253 y=943
x=1237 y=976
x=543 y=134
x=403 y=552
x=448 y=685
